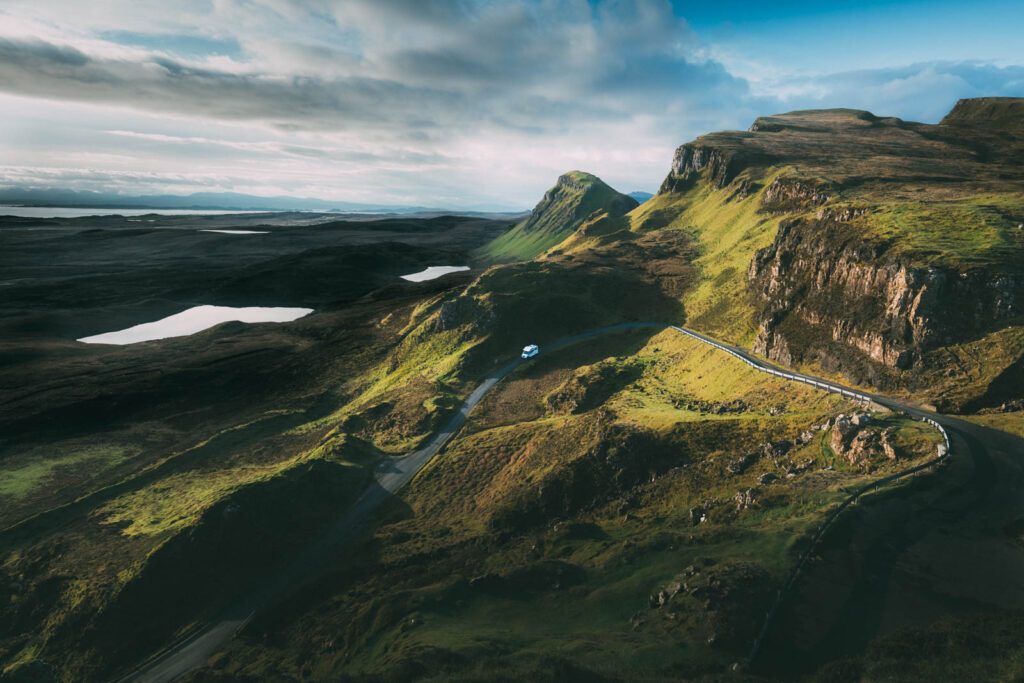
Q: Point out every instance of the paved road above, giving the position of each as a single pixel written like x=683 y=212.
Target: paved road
x=393 y=473
x=943 y=546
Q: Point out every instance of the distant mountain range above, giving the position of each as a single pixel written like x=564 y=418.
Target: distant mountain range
x=205 y=201
x=640 y=196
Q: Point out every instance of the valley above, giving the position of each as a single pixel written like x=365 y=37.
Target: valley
x=383 y=490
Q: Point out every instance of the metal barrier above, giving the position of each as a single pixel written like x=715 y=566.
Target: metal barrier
x=943 y=451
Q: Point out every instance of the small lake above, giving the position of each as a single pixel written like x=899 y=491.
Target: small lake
x=239 y=232
x=196 y=319
x=433 y=272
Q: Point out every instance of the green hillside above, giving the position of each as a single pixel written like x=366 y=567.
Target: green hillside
x=574 y=198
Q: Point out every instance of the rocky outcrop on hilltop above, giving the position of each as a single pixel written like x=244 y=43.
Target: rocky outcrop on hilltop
x=990 y=112
x=851 y=439
x=820 y=280
x=718 y=165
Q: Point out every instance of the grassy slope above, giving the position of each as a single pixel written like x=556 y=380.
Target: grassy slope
x=959 y=232
x=552 y=221
x=728 y=232
x=1012 y=422
x=569 y=591
x=448 y=345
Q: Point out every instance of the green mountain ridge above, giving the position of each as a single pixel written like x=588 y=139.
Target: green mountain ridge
x=576 y=197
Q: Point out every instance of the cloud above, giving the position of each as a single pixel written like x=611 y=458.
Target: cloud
x=924 y=91
x=470 y=100
x=481 y=64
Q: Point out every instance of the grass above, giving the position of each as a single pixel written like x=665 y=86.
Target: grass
x=42 y=468
x=564 y=207
x=176 y=502
x=963 y=374
x=728 y=231
x=519 y=245
x=959 y=233
x=981 y=648
x=414 y=607
x=1010 y=422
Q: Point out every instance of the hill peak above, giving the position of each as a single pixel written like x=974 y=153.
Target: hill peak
x=578 y=177
x=575 y=196
x=1006 y=113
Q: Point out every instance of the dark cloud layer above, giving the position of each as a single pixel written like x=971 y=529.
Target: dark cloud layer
x=506 y=65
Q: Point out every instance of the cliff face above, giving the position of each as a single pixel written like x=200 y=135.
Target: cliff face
x=719 y=165
x=888 y=250
x=820 y=282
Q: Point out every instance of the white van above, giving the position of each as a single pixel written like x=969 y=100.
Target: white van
x=530 y=351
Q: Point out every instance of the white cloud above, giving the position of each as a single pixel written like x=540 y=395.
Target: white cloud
x=457 y=101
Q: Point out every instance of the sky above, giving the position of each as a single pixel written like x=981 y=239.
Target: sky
x=465 y=104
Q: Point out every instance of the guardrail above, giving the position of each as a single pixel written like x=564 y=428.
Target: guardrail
x=827 y=386
x=942 y=452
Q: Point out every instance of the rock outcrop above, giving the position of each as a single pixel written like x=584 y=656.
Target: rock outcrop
x=718 y=165
x=851 y=439
x=787 y=194
x=820 y=282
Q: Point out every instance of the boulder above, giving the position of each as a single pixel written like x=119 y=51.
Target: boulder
x=697 y=515
x=745 y=499
x=740 y=465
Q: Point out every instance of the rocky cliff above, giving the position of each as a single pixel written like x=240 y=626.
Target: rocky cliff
x=820 y=281
x=888 y=250
x=718 y=165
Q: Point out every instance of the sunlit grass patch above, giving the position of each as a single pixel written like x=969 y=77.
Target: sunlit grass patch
x=962 y=232
x=1010 y=422
x=728 y=230
x=43 y=468
x=177 y=501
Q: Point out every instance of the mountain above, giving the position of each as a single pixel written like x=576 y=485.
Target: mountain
x=640 y=196
x=575 y=198
x=889 y=250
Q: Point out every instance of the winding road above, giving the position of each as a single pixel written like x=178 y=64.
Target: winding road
x=193 y=651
